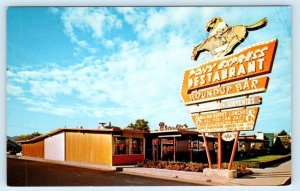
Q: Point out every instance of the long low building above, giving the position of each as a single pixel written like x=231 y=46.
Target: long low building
x=114 y=146
x=111 y=146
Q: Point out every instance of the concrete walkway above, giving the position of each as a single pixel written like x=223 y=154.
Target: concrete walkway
x=271 y=176
x=185 y=176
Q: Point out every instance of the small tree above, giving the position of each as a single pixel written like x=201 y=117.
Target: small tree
x=28 y=136
x=140 y=124
x=283 y=132
x=131 y=126
x=278 y=147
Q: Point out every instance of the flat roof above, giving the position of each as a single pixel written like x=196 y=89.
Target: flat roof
x=181 y=131
x=111 y=130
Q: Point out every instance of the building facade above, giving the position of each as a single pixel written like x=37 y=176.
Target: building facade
x=101 y=146
x=114 y=146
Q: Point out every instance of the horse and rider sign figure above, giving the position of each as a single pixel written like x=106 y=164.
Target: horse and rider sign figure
x=229 y=75
x=209 y=90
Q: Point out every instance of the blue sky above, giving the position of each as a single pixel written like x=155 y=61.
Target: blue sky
x=81 y=66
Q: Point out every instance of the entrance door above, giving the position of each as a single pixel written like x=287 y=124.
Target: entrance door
x=167 y=149
x=156 y=149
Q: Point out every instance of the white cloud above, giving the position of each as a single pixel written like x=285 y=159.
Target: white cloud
x=140 y=81
x=108 y=43
x=14 y=90
x=60 y=111
x=94 y=21
x=153 y=24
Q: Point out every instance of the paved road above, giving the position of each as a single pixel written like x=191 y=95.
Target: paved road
x=31 y=173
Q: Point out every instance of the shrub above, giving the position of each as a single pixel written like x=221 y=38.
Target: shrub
x=194 y=167
x=162 y=164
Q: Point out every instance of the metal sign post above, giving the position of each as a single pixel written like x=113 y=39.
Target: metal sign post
x=235 y=144
x=207 y=151
x=234 y=150
x=220 y=150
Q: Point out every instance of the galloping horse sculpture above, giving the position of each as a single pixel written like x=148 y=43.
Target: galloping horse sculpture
x=224 y=39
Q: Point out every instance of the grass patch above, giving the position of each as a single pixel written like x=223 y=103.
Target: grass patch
x=267 y=158
x=264 y=161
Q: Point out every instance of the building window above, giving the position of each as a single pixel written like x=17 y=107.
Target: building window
x=198 y=147
x=120 y=145
x=137 y=146
x=123 y=146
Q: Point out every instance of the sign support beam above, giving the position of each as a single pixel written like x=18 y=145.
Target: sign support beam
x=207 y=151
x=219 y=151
x=235 y=144
x=233 y=150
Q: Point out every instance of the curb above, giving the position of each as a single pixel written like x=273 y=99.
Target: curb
x=71 y=163
x=194 y=177
x=287 y=182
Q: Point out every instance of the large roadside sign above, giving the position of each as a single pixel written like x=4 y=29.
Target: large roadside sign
x=210 y=90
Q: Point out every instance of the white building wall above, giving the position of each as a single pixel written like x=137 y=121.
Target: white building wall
x=55 y=147
x=259 y=135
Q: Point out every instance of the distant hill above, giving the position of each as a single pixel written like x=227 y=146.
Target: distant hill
x=12 y=146
x=12 y=138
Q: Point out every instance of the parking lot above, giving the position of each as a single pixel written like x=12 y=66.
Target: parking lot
x=32 y=173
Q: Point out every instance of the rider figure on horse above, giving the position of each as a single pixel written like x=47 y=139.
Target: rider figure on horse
x=218 y=27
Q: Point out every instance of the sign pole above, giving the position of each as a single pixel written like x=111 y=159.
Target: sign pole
x=207 y=150
x=233 y=150
x=219 y=151
x=235 y=144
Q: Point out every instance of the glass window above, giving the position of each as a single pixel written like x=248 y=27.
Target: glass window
x=120 y=146
x=137 y=146
x=124 y=146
